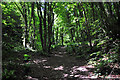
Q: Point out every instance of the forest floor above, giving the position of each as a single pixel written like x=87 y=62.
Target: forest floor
x=59 y=65
x=56 y=66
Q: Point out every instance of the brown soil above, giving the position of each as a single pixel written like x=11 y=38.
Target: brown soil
x=58 y=66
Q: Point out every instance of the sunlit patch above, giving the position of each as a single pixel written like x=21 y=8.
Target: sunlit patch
x=65 y=52
x=58 y=55
x=76 y=75
x=30 y=78
x=89 y=66
x=47 y=66
x=59 y=68
x=105 y=58
x=75 y=67
x=65 y=75
x=93 y=77
x=71 y=75
x=86 y=77
x=81 y=76
x=77 y=70
x=60 y=52
x=39 y=61
x=113 y=76
x=43 y=60
x=81 y=68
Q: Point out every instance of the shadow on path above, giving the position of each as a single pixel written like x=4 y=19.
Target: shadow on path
x=59 y=66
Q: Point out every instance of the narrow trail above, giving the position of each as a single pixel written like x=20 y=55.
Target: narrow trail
x=58 y=66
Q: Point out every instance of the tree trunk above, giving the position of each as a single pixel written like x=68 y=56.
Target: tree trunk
x=50 y=24
x=57 y=36
x=71 y=31
x=49 y=30
x=40 y=24
x=93 y=11
x=26 y=25
x=62 y=35
x=33 y=45
x=45 y=29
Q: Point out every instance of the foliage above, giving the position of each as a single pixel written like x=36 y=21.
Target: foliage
x=8 y=74
x=13 y=71
x=11 y=29
x=26 y=57
x=106 y=58
x=88 y=30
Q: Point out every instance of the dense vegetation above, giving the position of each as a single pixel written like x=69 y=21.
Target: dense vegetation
x=90 y=31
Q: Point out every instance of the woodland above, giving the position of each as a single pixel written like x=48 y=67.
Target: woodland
x=60 y=40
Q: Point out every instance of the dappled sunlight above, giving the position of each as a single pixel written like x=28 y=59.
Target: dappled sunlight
x=59 y=68
x=64 y=52
x=77 y=68
x=56 y=40
x=113 y=76
x=58 y=55
x=37 y=61
x=80 y=76
x=47 y=66
x=56 y=68
x=65 y=75
x=31 y=78
x=83 y=76
x=80 y=72
x=82 y=69
x=89 y=66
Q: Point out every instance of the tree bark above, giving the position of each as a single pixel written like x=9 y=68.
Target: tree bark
x=26 y=25
x=45 y=28
x=40 y=24
x=57 y=36
x=50 y=24
x=49 y=30
x=33 y=16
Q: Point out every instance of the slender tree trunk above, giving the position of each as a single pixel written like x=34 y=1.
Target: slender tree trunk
x=50 y=24
x=57 y=36
x=53 y=39
x=26 y=25
x=71 y=30
x=45 y=28
x=31 y=37
x=62 y=35
x=93 y=11
x=49 y=32
x=40 y=24
x=33 y=45
x=52 y=30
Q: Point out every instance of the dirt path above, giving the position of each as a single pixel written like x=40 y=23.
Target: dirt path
x=58 y=66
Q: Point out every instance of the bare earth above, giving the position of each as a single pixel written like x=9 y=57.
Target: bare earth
x=59 y=66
